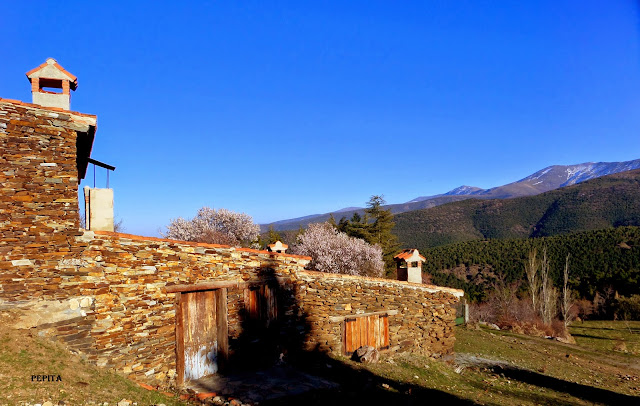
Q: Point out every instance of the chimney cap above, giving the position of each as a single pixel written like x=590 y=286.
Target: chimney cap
x=52 y=70
x=409 y=255
x=277 y=246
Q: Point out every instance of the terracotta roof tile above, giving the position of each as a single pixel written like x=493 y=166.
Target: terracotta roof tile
x=72 y=77
x=281 y=245
x=408 y=253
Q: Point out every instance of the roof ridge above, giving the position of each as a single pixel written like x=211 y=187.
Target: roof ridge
x=37 y=106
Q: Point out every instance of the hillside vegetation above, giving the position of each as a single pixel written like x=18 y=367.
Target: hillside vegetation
x=601 y=259
x=610 y=201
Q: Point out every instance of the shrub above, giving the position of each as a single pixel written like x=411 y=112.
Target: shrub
x=584 y=308
x=628 y=308
x=212 y=226
x=336 y=252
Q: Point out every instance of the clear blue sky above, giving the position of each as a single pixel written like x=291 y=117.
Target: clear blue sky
x=282 y=109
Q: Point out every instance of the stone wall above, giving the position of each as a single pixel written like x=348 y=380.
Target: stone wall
x=38 y=201
x=421 y=317
x=106 y=294
x=133 y=315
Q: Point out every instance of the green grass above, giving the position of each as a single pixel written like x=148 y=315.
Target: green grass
x=611 y=338
x=534 y=371
x=22 y=355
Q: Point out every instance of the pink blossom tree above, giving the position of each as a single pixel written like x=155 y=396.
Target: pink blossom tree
x=212 y=226
x=336 y=252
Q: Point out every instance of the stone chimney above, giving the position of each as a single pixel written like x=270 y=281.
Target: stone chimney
x=51 y=76
x=409 y=266
x=278 y=247
x=98 y=209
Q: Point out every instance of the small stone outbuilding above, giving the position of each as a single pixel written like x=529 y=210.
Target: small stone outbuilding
x=160 y=310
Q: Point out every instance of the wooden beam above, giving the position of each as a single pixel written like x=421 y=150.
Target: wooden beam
x=204 y=286
x=179 y=341
x=340 y=319
x=223 y=328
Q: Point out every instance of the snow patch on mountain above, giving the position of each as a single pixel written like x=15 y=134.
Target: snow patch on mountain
x=464 y=190
x=581 y=173
x=538 y=174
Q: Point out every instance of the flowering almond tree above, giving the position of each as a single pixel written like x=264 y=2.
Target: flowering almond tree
x=212 y=226
x=336 y=252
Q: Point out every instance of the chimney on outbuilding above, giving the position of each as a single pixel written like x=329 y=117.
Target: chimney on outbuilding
x=409 y=266
x=278 y=247
x=47 y=77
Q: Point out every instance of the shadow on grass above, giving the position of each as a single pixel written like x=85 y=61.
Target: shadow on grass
x=593 y=337
x=632 y=330
x=360 y=386
x=588 y=393
x=526 y=395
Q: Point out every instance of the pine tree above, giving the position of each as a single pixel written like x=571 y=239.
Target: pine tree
x=343 y=224
x=273 y=236
x=332 y=221
x=358 y=227
x=380 y=231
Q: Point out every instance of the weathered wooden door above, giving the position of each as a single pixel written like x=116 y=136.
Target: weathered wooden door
x=201 y=333
x=372 y=330
x=261 y=303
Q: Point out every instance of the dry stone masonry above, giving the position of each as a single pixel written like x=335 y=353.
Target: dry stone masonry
x=109 y=296
x=421 y=317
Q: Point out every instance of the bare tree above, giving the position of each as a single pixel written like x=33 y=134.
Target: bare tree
x=503 y=298
x=567 y=301
x=549 y=292
x=118 y=227
x=531 y=270
x=544 y=279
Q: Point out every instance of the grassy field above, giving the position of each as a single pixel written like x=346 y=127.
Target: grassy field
x=489 y=368
x=500 y=368
x=22 y=356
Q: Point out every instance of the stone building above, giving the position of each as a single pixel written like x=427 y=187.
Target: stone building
x=160 y=310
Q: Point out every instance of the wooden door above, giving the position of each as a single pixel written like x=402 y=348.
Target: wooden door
x=261 y=304
x=371 y=330
x=201 y=333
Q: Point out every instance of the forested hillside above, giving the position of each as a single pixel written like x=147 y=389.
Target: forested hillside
x=610 y=201
x=601 y=260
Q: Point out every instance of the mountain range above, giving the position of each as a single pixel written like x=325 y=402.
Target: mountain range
x=544 y=180
x=600 y=203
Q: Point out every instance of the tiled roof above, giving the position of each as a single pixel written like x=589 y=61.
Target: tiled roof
x=56 y=109
x=278 y=245
x=406 y=254
x=72 y=77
